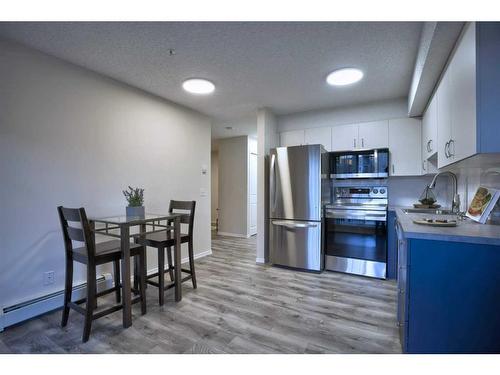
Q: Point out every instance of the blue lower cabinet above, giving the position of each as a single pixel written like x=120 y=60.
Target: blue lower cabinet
x=449 y=300
x=392 y=245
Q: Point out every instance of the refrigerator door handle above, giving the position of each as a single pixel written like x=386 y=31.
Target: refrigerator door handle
x=294 y=225
x=273 y=180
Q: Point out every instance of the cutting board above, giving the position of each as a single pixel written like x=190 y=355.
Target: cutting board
x=434 y=223
x=418 y=205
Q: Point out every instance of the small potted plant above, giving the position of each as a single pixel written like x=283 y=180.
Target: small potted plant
x=135 y=199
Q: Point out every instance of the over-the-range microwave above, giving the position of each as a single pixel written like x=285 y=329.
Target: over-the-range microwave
x=360 y=164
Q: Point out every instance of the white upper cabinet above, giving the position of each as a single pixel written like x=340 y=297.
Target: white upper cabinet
x=405 y=147
x=444 y=120
x=429 y=129
x=366 y=135
x=345 y=137
x=292 y=138
x=429 y=167
x=463 y=101
x=456 y=103
x=322 y=136
x=373 y=134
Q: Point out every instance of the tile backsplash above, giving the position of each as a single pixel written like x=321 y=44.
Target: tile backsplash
x=471 y=178
x=405 y=191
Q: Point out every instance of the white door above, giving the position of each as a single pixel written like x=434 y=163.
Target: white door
x=374 y=134
x=252 y=193
x=463 y=101
x=444 y=96
x=322 y=136
x=345 y=137
x=405 y=147
x=292 y=138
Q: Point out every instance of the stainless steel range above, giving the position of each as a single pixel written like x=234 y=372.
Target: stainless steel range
x=356 y=231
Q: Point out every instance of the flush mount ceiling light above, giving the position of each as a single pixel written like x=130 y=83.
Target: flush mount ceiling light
x=342 y=77
x=198 y=86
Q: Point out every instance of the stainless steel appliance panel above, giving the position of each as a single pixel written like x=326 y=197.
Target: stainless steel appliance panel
x=295 y=183
x=356 y=231
x=361 y=267
x=296 y=244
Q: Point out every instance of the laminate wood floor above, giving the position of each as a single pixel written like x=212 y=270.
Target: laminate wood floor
x=239 y=307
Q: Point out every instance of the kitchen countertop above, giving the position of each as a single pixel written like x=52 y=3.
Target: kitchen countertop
x=466 y=231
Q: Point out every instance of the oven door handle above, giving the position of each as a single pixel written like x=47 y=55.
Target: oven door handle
x=359 y=214
x=294 y=225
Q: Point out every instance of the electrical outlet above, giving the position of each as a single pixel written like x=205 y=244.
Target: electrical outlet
x=48 y=278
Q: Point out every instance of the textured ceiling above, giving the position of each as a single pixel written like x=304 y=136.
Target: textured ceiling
x=277 y=65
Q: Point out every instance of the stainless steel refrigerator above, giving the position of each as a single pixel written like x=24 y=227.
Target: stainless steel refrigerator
x=298 y=189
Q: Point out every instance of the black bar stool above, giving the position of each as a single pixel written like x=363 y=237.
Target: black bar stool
x=164 y=240
x=92 y=255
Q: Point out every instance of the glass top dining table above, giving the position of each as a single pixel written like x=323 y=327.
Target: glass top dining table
x=124 y=223
x=136 y=220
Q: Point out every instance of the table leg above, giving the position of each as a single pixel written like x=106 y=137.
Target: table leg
x=145 y=268
x=127 y=302
x=92 y=231
x=177 y=259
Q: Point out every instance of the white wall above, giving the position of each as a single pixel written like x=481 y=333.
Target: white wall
x=239 y=127
x=214 y=184
x=233 y=184
x=384 y=110
x=71 y=137
x=267 y=138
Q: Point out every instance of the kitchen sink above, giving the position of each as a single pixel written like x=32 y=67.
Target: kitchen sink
x=430 y=211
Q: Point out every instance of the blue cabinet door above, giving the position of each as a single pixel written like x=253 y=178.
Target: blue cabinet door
x=392 y=243
x=453 y=297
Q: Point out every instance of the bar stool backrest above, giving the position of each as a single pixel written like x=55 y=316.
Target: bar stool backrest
x=72 y=233
x=187 y=207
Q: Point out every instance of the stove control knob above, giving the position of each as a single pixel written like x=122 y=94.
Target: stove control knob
x=375 y=191
x=382 y=191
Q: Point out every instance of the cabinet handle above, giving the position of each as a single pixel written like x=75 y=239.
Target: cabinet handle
x=430 y=145
x=423 y=165
x=452 y=142
x=354 y=143
x=393 y=169
x=362 y=142
x=447 y=144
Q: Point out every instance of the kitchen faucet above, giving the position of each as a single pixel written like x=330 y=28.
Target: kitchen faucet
x=455 y=205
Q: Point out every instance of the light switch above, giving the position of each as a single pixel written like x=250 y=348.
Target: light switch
x=204 y=169
x=203 y=192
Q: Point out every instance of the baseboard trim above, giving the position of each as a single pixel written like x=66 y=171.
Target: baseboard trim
x=19 y=312
x=237 y=235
